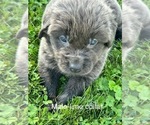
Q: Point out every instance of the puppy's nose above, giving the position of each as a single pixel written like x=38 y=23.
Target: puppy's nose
x=75 y=68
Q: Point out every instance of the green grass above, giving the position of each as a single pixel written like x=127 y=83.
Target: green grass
x=136 y=86
x=12 y=96
x=105 y=92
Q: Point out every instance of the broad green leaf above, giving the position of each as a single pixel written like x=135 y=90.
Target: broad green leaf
x=110 y=101
x=111 y=85
x=133 y=85
x=130 y=101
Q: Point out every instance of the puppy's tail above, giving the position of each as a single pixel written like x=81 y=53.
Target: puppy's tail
x=145 y=33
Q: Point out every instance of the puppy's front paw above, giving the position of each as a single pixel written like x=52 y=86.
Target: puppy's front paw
x=52 y=107
x=62 y=99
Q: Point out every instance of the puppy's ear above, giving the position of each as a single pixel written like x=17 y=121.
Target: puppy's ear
x=45 y=23
x=22 y=33
x=43 y=32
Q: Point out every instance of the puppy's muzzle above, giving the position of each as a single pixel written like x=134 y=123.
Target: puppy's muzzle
x=75 y=64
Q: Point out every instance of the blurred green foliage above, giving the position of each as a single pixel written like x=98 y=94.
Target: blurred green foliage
x=12 y=95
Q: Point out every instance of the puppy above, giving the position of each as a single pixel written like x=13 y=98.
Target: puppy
x=76 y=37
x=21 y=63
x=135 y=24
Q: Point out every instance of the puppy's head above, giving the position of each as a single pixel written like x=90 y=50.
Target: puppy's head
x=80 y=33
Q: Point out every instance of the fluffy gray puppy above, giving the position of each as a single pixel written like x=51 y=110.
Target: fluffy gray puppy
x=76 y=36
x=22 y=51
x=135 y=24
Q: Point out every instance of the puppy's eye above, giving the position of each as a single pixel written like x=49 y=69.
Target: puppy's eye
x=63 y=39
x=92 y=43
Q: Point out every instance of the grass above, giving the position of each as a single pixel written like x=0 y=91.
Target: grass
x=135 y=85
x=12 y=96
